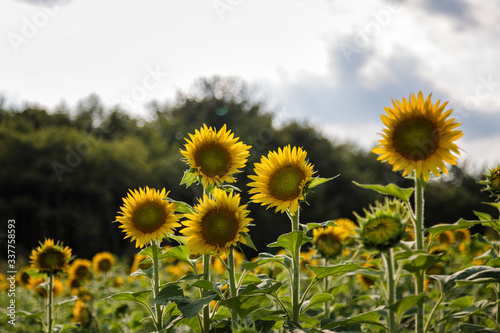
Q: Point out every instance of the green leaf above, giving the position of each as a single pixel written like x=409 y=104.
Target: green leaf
x=138 y=297
x=148 y=272
x=317 y=181
x=462 y=302
x=167 y=292
x=65 y=328
x=483 y=216
x=30 y=315
x=208 y=285
x=334 y=271
x=406 y=303
x=470 y=328
x=249 y=242
x=450 y=282
x=313 y=225
x=485 y=276
x=460 y=224
x=372 y=317
x=267 y=314
x=291 y=241
x=180 y=253
x=321 y=298
x=246 y=304
x=265 y=287
x=475 y=308
x=182 y=207
x=189 y=308
x=262 y=259
x=189 y=177
x=391 y=189
x=67 y=300
x=35 y=273
x=419 y=262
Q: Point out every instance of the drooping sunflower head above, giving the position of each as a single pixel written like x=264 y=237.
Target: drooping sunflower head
x=80 y=269
x=103 y=262
x=50 y=257
x=215 y=156
x=280 y=179
x=382 y=227
x=419 y=137
x=218 y=223
x=492 y=183
x=147 y=216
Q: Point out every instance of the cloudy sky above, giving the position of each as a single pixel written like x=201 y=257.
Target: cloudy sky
x=335 y=64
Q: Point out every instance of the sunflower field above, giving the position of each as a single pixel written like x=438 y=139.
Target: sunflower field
x=381 y=272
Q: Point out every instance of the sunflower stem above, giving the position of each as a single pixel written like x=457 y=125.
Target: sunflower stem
x=206 y=276
x=325 y=289
x=419 y=237
x=391 y=289
x=296 y=270
x=232 y=286
x=156 y=287
x=50 y=292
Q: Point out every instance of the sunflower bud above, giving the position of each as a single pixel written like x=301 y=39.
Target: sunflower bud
x=492 y=183
x=383 y=226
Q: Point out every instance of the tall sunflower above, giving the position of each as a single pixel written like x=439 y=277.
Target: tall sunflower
x=218 y=223
x=215 y=156
x=280 y=179
x=146 y=216
x=419 y=137
x=50 y=257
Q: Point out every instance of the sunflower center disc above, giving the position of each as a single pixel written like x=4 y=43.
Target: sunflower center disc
x=213 y=159
x=81 y=272
x=329 y=244
x=381 y=230
x=104 y=265
x=219 y=227
x=285 y=183
x=416 y=138
x=51 y=259
x=149 y=217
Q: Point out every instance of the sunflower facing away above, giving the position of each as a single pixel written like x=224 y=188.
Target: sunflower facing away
x=103 y=262
x=215 y=156
x=419 y=137
x=280 y=179
x=146 y=216
x=218 y=223
x=49 y=257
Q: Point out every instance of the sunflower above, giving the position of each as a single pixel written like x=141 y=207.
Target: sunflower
x=306 y=258
x=383 y=227
x=39 y=286
x=50 y=258
x=140 y=262
x=103 y=262
x=492 y=183
x=280 y=179
x=22 y=277
x=328 y=241
x=419 y=136
x=80 y=269
x=81 y=314
x=215 y=156
x=218 y=223
x=147 y=216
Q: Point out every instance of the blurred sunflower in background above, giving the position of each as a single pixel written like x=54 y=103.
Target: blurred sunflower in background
x=147 y=216
x=103 y=262
x=419 y=137
x=280 y=179
x=218 y=223
x=80 y=269
x=215 y=156
x=50 y=257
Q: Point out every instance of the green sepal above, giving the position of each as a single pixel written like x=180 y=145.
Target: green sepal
x=316 y=181
x=190 y=177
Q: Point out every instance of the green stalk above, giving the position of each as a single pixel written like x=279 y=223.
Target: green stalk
x=419 y=237
x=296 y=271
x=498 y=304
x=391 y=289
x=50 y=292
x=325 y=289
x=156 y=287
x=232 y=288
x=206 y=276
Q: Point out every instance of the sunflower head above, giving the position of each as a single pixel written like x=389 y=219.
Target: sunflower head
x=419 y=137
x=215 y=156
x=147 y=216
x=382 y=227
x=39 y=286
x=492 y=183
x=103 y=262
x=80 y=269
x=281 y=179
x=81 y=314
x=218 y=223
x=330 y=240
x=22 y=277
x=462 y=235
x=50 y=257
